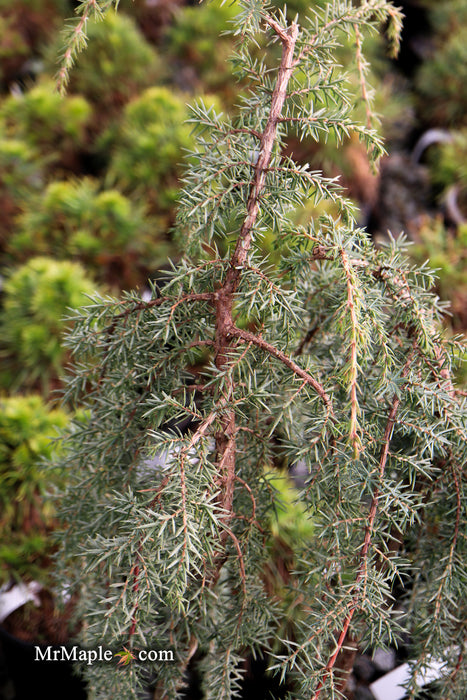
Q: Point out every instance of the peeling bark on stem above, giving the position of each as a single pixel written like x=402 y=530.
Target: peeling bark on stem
x=268 y=137
x=224 y=297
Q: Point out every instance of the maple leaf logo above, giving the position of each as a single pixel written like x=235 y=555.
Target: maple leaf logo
x=126 y=657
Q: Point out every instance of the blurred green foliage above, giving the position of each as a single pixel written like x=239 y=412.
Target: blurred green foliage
x=25 y=27
x=149 y=146
x=37 y=296
x=104 y=230
x=447 y=16
x=117 y=64
x=55 y=126
x=442 y=82
x=21 y=175
x=195 y=39
x=13 y=46
x=448 y=165
x=28 y=428
x=447 y=253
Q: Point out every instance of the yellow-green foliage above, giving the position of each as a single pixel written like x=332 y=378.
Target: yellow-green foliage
x=117 y=64
x=45 y=120
x=291 y=520
x=37 y=297
x=103 y=229
x=150 y=146
x=27 y=430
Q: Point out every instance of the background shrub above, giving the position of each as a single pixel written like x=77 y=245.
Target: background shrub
x=57 y=127
x=37 y=297
x=27 y=430
x=442 y=82
x=25 y=28
x=149 y=146
x=104 y=230
x=21 y=176
x=115 y=67
x=195 y=39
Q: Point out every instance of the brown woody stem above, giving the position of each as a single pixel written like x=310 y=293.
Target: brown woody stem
x=224 y=297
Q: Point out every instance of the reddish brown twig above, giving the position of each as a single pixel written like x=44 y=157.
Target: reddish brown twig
x=362 y=569
x=249 y=337
x=224 y=297
x=358 y=592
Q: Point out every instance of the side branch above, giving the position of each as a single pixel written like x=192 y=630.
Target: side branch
x=143 y=305
x=248 y=337
x=363 y=566
x=359 y=590
x=280 y=31
x=73 y=48
x=353 y=357
x=135 y=570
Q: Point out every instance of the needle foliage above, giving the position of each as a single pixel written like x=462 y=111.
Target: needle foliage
x=334 y=358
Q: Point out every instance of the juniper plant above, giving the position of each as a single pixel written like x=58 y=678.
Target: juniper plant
x=333 y=358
